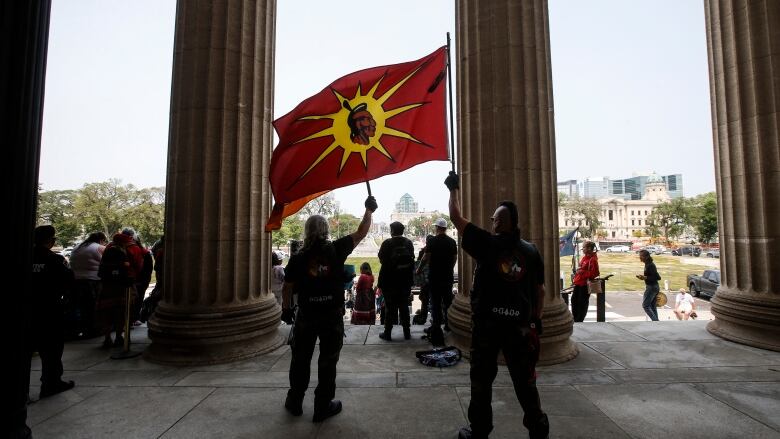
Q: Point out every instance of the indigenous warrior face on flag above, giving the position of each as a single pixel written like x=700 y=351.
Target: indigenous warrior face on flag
x=367 y=124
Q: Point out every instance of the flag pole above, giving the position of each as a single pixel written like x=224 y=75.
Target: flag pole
x=449 y=89
x=369 y=188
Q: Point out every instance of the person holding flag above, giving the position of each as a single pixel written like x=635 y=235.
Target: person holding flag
x=506 y=303
x=316 y=273
x=367 y=124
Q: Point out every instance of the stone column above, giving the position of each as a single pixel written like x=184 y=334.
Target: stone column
x=217 y=306
x=506 y=145
x=743 y=41
x=24 y=40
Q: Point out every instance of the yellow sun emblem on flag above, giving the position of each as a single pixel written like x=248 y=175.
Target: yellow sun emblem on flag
x=360 y=124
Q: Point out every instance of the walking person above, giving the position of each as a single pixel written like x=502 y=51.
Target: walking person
x=651 y=278
x=51 y=280
x=506 y=301
x=316 y=273
x=587 y=271
x=441 y=254
x=395 y=279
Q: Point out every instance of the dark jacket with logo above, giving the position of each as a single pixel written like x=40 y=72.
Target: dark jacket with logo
x=318 y=273
x=508 y=273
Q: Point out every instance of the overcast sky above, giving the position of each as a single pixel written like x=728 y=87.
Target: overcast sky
x=630 y=83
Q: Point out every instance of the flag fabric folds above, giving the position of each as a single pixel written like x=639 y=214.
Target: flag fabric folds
x=365 y=125
x=566 y=243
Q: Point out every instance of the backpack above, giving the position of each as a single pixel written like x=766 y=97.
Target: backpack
x=401 y=259
x=439 y=357
x=114 y=266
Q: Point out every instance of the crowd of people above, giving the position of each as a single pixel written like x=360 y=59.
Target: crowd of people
x=86 y=296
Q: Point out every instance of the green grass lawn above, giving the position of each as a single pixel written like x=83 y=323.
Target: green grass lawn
x=626 y=266
x=373 y=261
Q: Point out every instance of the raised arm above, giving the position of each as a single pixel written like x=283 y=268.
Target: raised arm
x=453 y=184
x=365 y=224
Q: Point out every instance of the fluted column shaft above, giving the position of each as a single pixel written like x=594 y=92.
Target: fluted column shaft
x=743 y=41
x=216 y=305
x=506 y=143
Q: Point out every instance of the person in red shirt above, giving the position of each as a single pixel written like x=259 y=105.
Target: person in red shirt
x=588 y=270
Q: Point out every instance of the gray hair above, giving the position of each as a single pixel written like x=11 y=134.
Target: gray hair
x=316 y=229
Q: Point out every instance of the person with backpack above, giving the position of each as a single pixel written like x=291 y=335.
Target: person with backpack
x=117 y=272
x=316 y=274
x=396 y=277
x=507 y=299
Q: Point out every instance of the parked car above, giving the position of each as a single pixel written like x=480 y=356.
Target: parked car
x=687 y=250
x=66 y=251
x=618 y=249
x=704 y=285
x=653 y=249
x=714 y=253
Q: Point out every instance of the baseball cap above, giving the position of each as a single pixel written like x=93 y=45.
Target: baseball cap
x=441 y=222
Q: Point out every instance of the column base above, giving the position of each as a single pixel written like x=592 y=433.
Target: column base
x=557 y=346
x=747 y=318
x=221 y=336
x=558 y=325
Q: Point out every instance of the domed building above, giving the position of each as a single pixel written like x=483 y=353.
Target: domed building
x=622 y=218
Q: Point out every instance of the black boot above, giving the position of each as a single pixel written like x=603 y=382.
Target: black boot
x=386 y=335
x=55 y=388
x=407 y=333
x=293 y=405
x=333 y=408
x=541 y=430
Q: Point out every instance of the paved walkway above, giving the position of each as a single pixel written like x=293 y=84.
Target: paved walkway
x=632 y=379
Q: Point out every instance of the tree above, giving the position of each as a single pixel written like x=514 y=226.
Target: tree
x=669 y=218
x=422 y=226
x=343 y=224
x=582 y=211
x=102 y=206
x=292 y=229
x=325 y=205
x=106 y=207
x=56 y=208
x=704 y=216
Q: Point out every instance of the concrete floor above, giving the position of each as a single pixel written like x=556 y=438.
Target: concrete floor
x=632 y=379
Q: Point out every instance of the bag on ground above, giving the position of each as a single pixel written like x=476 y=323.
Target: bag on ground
x=439 y=357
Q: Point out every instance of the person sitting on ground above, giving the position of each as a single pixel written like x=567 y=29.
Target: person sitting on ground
x=684 y=305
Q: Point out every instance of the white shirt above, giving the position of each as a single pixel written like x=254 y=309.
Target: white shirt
x=684 y=300
x=85 y=261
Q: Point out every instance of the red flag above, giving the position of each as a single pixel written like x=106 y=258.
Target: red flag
x=370 y=123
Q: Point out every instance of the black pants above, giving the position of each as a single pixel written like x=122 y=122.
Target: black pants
x=580 y=299
x=521 y=351
x=328 y=326
x=49 y=341
x=441 y=299
x=396 y=302
x=85 y=298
